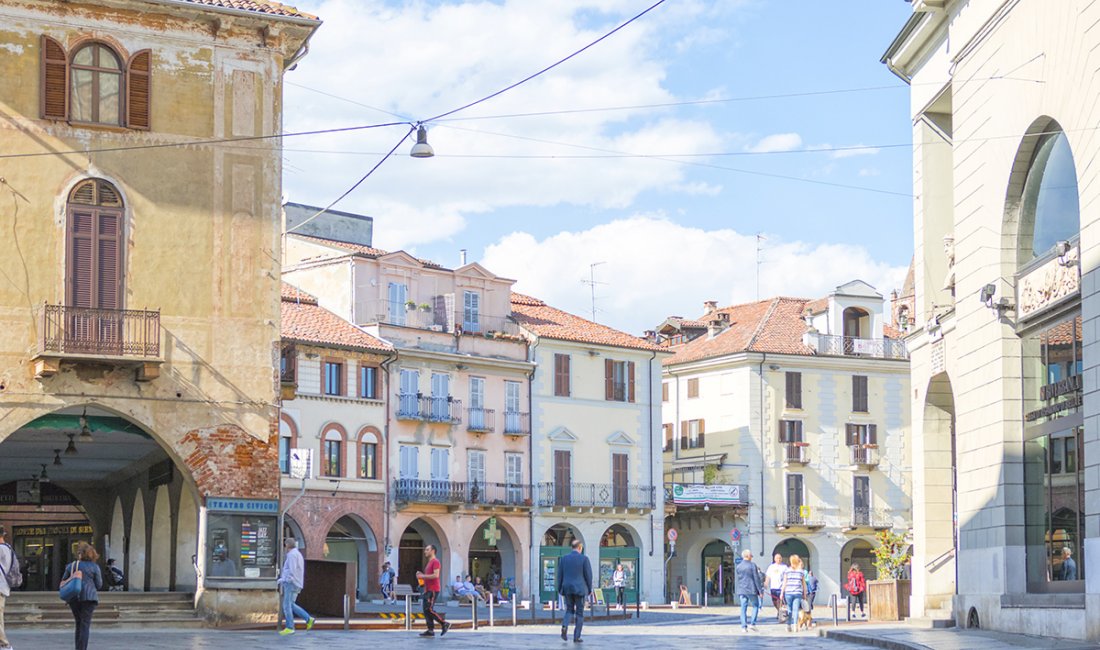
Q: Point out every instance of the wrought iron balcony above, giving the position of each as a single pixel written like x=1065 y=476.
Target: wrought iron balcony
x=796 y=453
x=854 y=346
x=429 y=408
x=799 y=516
x=114 y=335
x=481 y=420
x=516 y=423
x=596 y=495
x=437 y=316
x=864 y=455
x=870 y=518
x=458 y=493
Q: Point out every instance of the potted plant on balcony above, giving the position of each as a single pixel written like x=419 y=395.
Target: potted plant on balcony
x=888 y=596
x=410 y=305
x=425 y=307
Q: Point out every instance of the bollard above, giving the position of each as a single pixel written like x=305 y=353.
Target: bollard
x=534 y=604
x=637 y=605
x=491 y=610
x=848 y=608
x=706 y=600
x=473 y=608
x=347 y=613
x=833 y=604
x=408 y=613
x=553 y=603
x=514 y=597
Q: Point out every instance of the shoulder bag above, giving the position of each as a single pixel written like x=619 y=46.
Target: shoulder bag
x=70 y=588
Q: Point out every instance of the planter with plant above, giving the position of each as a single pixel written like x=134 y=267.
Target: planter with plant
x=888 y=596
x=410 y=305
x=425 y=307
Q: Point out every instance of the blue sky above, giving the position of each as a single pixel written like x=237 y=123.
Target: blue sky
x=671 y=235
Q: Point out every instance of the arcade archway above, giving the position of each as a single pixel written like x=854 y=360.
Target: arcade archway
x=410 y=551
x=793 y=546
x=351 y=540
x=619 y=545
x=557 y=541
x=856 y=551
x=493 y=555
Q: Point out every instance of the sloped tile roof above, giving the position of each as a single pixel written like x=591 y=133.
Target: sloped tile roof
x=259 y=6
x=773 y=325
x=545 y=321
x=307 y=322
x=358 y=249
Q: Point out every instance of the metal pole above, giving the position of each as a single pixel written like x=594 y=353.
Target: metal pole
x=706 y=599
x=833 y=604
x=533 y=607
x=347 y=613
x=473 y=608
x=515 y=597
x=637 y=604
x=408 y=612
x=553 y=604
x=491 y=624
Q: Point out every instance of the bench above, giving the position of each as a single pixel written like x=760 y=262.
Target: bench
x=406 y=591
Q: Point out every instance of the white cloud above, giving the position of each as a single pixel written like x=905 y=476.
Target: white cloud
x=656 y=267
x=420 y=59
x=777 y=142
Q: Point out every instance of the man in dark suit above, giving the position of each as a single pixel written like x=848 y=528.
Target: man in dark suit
x=574 y=585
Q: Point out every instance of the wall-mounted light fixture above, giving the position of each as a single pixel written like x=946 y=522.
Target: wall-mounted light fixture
x=1063 y=248
x=987 y=296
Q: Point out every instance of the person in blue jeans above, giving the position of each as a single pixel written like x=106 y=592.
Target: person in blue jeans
x=291 y=580
x=575 y=584
x=749 y=588
x=794 y=589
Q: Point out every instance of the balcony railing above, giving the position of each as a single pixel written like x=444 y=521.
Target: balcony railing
x=596 y=495
x=870 y=518
x=799 y=516
x=481 y=420
x=516 y=423
x=864 y=456
x=438 y=317
x=455 y=493
x=796 y=453
x=429 y=408
x=854 y=346
x=107 y=332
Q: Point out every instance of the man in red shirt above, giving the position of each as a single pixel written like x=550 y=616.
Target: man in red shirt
x=429 y=578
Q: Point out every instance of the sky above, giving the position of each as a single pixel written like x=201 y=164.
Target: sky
x=797 y=141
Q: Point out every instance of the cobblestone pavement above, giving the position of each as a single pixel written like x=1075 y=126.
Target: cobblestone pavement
x=640 y=636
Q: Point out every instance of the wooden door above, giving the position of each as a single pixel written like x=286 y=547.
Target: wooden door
x=563 y=476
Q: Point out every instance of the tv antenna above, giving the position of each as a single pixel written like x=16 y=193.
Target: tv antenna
x=760 y=239
x=592 y=282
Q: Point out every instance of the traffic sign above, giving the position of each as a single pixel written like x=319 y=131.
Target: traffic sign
x=735 y=535
x=672 y=534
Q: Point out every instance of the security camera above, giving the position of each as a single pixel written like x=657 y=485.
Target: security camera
x=987 y=293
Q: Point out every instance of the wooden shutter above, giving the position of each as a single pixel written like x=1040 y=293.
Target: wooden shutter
x=850 y=434
x=138 y=90
x=872 y=434
x=630 y=381
x=783 y=424
x=684 y=435
x=702 y=433
x=609 y=379
x=54 y=79
x=859 y=393
x=664 y=391
x=794 y=491
x=561 y=375
x=108 y=260
x=80 y=272
x=620 y=478
x=794 y=390
x=668 y=436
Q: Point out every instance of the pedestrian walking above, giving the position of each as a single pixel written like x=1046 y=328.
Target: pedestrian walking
x=574 y=585
x=856 y=586
x=749 y=588
x=91 y=581
x=385 y=581
x=429 y=579
x=1069 y=565
x=811 y=588
x=773 y=578
x=618 y=580
x=9 y=577
x=291 y=581
x=794 y=589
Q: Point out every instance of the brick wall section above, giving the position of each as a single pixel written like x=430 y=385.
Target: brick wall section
x=226 y=461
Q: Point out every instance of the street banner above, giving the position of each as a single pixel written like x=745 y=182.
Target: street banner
x=703 y=494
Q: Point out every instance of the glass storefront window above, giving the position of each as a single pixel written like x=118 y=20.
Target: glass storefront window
x=1053 y=456
x=241 y=546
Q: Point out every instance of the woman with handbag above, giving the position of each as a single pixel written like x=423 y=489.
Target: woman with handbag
x=84 y=600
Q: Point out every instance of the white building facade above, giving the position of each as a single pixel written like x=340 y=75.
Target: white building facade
x=786 y=430
x=1004 y=354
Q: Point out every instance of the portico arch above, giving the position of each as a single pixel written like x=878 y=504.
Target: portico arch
x=135 y=564
x=935 y=509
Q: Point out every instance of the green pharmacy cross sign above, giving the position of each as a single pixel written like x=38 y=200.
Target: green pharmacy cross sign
x=491 y=534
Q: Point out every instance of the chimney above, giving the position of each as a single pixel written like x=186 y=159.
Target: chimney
x=462 y=257
x=715 y=327
x=724 y=316
x=651 y=336
x=710 y=306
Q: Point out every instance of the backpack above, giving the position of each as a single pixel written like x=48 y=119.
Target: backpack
x=853 y=584
x=12 y=574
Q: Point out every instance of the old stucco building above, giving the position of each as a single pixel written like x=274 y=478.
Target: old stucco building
x=145 y=382
x=1004 y=348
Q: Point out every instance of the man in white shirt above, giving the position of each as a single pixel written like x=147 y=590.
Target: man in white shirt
x=6 y=564
x=291 y=580
x=773 y=579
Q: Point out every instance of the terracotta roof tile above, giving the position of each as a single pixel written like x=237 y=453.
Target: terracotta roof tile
x=307 y=322
x=890 y=332
x=359 y=249
x=258 y=6
x=545 y=321
x=815 y=307
x=773 y=325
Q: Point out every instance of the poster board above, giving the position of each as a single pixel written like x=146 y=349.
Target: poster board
x=597 y=595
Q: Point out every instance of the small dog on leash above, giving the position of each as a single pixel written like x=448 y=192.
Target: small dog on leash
x=805 y=620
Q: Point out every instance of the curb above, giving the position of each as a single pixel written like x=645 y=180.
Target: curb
x=873 y=641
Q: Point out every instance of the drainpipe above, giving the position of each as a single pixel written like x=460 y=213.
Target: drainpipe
x=763 y=360
x=532 y=575
x=649 y=408
x=386 y=436
x=676 y=426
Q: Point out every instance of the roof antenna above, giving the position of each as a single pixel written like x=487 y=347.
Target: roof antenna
x=760 y=239
x=591 y=282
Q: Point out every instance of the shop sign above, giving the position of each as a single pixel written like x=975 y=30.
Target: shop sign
x=1072 y=386
x=63 y=530
x=729 y=495
x=242 y=506
x=1048 y=285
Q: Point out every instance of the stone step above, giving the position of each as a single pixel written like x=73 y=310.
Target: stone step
x=933 y=620
x=116 y=608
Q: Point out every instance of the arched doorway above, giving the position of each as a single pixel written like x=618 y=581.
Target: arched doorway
x=493 y=553
x=618 y=545
x=856 y=551
x=793 y=546
x=935 y=497
x=557 y=540
x=410 y=551
x=351 y=540
x=718 y=563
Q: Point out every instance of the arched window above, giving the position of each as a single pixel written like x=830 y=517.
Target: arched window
x=332 y=451
x=94 y=261
x=288 y=433
x=96 y=85
x=1050 y=209
x=368 y=454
